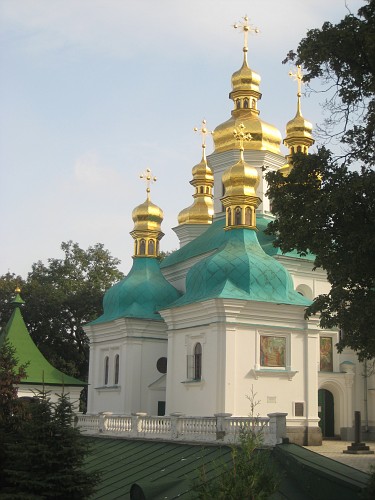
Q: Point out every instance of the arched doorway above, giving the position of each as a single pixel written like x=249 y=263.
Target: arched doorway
x=326 y=413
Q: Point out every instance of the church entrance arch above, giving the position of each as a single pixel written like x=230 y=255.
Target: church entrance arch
x=326 y=413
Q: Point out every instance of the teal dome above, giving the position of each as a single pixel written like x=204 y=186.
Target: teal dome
x=240 y=269
x=140 y=295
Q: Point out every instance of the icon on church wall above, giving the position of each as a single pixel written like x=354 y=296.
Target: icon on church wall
x=326 y=354
x=272 y=351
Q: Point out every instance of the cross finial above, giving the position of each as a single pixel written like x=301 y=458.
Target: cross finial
x=246 y=28
x=241 y=136
x=203 y=131
x=297 y=76
x=147 y=176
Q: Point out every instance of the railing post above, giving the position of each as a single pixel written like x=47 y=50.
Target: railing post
x=277 y=427
x=175 y=425
x=220 y=424
x=103 y=416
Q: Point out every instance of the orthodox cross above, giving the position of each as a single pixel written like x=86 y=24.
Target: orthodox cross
x=246 y=28
x=297 y=76
x=241 y=136
x=203 y=131
x=149 y=179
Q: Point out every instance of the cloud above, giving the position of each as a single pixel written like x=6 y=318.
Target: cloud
x=124 y=28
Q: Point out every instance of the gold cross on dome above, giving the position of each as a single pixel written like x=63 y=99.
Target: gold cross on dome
x=241 y=136
x=148 y=178
x=203 y=131
x=297 y=76
x=246 y=28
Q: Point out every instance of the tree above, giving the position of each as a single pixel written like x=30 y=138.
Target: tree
x=10 y=406
x=46 y=456
x=250 y=475
x=325 y=206
x=60 y=298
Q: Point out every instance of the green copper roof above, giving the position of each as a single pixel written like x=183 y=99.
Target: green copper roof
x=39 y=370
x=214 y=237
x=140 y=295
x=240 y=269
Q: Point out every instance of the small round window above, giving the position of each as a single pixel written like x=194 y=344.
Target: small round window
x=161 y=365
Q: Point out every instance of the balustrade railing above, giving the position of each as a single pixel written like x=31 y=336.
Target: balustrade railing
x=221 y=427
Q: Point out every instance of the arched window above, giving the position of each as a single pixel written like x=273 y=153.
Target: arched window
x=151 y=247
x=197 y=361
x=117 y=369
x=248 y=216
x=238 y=104
x=142 y=247
x=246 y=103
x=106 y=370
x=237 y=216
x=201 y=190
x=298 y=149
x=229 y=217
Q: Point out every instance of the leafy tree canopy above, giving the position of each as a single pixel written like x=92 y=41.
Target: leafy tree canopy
x=60 y=298
x=325 y=206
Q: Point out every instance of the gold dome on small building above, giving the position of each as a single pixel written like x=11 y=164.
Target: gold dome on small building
x=298 y=130
x=202 y=209
x=240 y=184
x=147 y=219
x=245 y=95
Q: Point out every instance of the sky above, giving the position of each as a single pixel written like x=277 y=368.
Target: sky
x=93 y=92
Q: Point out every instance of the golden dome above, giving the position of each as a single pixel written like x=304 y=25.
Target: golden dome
x=245 y=79
x=298 y=130
x=245 y=95
x=241 y=179
x=147 y=216
x=201 y=211
x=240 y=200
x=298 y=133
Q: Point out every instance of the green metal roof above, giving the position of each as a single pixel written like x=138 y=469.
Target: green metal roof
x=140 y=295
x=214 y=237
x=162 y=470
x=240 y=269
x=168 y=470
x=39 y=370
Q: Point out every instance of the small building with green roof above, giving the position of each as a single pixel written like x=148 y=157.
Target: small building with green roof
x=40 y=374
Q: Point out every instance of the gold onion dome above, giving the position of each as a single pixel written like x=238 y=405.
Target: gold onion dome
x=245 y=95
x=147 y=219
x=147 y=216
x=202 y=209
x=298 y=130
x=240 y=184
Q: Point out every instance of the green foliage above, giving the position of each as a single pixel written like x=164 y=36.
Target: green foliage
x=10 y=406
x=45 y=457
x=342 y=57
x=60 y=298
x=325 y=207
x=251 y=474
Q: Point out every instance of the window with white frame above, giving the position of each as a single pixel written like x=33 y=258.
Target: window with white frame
x=117 y=369
x=106 y=370
x=194 y=363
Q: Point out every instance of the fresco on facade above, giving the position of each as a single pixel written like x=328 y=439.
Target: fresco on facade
x=326 y=354
x=272 y=351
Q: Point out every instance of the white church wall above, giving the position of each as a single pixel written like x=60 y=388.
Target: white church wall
x=138 y=345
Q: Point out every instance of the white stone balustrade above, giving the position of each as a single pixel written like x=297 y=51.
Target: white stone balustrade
x=177 y=427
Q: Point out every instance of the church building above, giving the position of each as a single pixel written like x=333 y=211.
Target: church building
x=223 y=316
